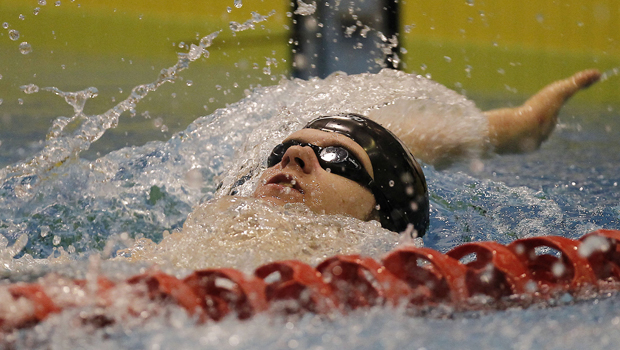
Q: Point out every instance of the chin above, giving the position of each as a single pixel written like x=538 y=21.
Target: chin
x=277 y=197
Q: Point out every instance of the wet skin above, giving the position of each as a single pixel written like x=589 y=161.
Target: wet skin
x=299 y=178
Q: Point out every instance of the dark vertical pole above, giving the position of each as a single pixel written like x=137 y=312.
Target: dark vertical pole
x=392 y=24
x=344 y=36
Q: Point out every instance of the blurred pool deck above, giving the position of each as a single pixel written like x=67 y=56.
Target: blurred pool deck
x=495 y=52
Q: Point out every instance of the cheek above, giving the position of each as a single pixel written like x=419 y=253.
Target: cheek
x=341 y=196
x=267 y=174
x=261 y=181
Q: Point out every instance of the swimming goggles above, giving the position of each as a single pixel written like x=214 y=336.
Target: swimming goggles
x=335 y=159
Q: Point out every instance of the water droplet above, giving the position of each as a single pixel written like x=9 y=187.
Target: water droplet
x=13 y=34
x=304 y=9
x=238 y=4
x=42 y=2
x=25 y=48
x=229 y=9
x=1 y=100
x=189 y=83
x=29 y=89
x=20 y=101
x=22 y=17
x=531 y=286
x=195 y=51
x=558 y=269
x=447 y=58
x=57 y=3
x=469 y=2
x=36 y=10
x=391 y=183
x=158 y=122
x=56 y=240
x=540 y=18
x=593 y=244
x=5 y=25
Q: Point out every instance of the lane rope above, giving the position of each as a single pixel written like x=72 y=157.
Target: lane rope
x=526 y=269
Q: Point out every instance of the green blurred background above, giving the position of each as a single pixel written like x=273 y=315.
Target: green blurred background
x=496 y=52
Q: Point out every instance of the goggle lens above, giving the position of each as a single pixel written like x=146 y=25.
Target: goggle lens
x=335 y=159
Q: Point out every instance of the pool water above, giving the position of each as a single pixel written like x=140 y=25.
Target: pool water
x=65 y=213
x=78 y=208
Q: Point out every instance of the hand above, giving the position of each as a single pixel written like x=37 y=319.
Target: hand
x=524 y=128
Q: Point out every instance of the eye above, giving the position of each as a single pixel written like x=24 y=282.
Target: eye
x=334 y=154
x=276 y=155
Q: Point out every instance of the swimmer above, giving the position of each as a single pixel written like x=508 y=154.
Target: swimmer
x=351 y=165
x=348 y=164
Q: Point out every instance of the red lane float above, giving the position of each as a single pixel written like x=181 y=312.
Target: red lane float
x=569 y=271
x=435 y=277
x=495 y=271
x=300 y=283
x=359 y=281
x=41 y=302
x=407 y=276
x=220 y=291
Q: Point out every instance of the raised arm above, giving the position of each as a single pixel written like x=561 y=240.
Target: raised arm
x=438 y=138
x=524 y=128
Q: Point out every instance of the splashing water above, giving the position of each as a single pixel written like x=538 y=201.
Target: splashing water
x=60 y=147
x=143 y=191
x=245 y=233
x=250 y=23
x=609 y=73
x=146 y=190
x=58 y=210
x=304 y=9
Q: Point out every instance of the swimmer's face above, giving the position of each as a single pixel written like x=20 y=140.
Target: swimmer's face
x=299 y=178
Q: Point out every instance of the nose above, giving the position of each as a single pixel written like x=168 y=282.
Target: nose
x=301 y=157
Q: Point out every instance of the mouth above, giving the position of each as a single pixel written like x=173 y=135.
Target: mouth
x=285 y=181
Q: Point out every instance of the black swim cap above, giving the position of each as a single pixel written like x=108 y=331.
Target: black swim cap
x=399 y=186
